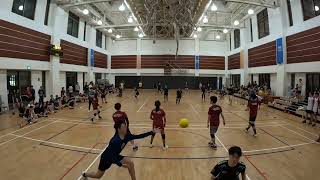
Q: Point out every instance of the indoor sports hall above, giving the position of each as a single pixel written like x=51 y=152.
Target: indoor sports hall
x=160 y=89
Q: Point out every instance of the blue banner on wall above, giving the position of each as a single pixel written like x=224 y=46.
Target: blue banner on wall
x=197 y=62
x=91 y=57
x=279 y=51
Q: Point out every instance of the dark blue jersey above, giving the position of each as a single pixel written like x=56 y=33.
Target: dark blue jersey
x=222 y=171
x=116 y=145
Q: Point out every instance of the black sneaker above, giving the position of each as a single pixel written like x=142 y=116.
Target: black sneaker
x=100 y=117
x=135 y=148
x=304 y=121
x=91 y=119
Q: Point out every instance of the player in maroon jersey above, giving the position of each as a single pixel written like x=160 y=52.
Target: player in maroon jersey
x=119 y=117
x=214 y=120
x=253 y=106
x=95 y=105
x=159 y=122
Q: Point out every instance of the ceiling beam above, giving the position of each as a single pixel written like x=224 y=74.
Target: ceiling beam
x=253 y=3
x=83 y=3
x=220 y=26
x=118 y=26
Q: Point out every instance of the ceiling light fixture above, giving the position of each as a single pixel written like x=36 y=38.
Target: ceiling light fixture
x=20 y=7
x=130 y=19
x=236 y=23
x=118 y=36
x=199 y=29
x=214 y=7
x=136 y=29
x=316 y=8
x=85 y=11
x=205 y=19
x=250 y=11
x=99 y=22
x=140 y=35
x=110 y=30
x=218 y=37
x=122 y=7
x=195 y=35
x=225 y=31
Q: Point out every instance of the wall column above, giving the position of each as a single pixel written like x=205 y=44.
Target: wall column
x=197 y=52
x=54 y=72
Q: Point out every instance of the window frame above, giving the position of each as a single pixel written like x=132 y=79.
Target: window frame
x=263 y=23
x=74 y=20
x=99 y=38
x=22 y=13
x=236 y=38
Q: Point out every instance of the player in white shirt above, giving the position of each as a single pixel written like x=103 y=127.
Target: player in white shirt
x=315 y=107
x=309 y=110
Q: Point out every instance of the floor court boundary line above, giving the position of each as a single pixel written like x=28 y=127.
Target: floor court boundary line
x=143 y=104
x=98 y=156
x=5 y=142
x=148 y=126
x=25 y=127
x=77 y=162
x=300 y=134
x=303 y=130
x=224 y=147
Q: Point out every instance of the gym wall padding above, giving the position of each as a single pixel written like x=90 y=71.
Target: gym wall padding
x=23 y=43
x=263 y=55
x=100 y=60
x=74 y=54
x=234 y=61
x=124 y=62
x=304 y=46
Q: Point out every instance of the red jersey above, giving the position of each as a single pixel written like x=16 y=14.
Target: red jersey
x=253 y=107
x=95 y=103
x=157 y=117
x=214 y=113
x=119 y=117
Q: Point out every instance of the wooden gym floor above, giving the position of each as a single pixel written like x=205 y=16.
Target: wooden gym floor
x=67 y=143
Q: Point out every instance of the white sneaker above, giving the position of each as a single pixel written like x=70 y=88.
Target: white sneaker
x=83 y=178
x=255 y=135
x=151 y=146
x=165 y=148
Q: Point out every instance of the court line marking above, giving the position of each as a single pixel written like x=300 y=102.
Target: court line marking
x=138 y=126
x=300 y=134
x=77 y=162
x=304 y=130
x=79 y=178
x=224 y=147
x=27 y=133
x=54 y=143
x=143 y=104
x=23 y=128
x=94 y=149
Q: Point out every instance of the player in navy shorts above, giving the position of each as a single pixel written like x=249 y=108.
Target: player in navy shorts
x=111 y=154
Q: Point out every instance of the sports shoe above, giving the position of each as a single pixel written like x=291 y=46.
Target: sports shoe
x=255 y=135
x=213 y=146
x=83 y=176
x=246 y=130
x=313 y=125
x=165 y=148
x=91 y=119
x=304 y=121
x=151 y=146
x=135 y=148
x=100 y=117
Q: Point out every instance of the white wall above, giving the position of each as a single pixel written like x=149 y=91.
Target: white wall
x=3 y=87
x=62 y=81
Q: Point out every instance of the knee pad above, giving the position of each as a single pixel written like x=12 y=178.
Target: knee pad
x=163 y=136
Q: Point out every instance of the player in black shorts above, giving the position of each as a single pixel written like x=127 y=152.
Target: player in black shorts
x=179 y=95
x=111 y=154
x=165 y=93
x=203 y=95
x=136 y=93
x=230 y=169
